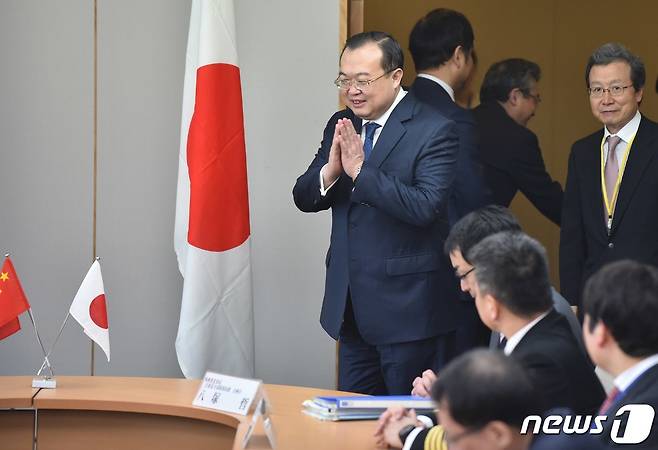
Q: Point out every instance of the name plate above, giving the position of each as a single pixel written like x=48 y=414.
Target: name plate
x=226 y=393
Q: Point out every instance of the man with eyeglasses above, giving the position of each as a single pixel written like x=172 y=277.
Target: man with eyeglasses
x=510 y=153
x=611 y=197
x=385 y=169
x=512 y=291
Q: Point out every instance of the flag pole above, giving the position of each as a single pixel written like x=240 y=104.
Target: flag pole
x=52 y=347
x=43 y=349
x=95 y=173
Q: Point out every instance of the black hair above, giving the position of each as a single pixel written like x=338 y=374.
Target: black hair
x=624 y=296
x=435 y=37
x=512 y=267
x=482 y=386
x=392 y=56
x=477 y=225
x=504 y=76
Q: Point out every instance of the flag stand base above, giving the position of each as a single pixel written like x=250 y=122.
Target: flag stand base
x=44 y=383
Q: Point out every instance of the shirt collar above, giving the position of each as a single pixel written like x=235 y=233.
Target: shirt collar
x=628 y=131
x=381 y=120
x=443 y=84
x=514 y=340
x=627 y=377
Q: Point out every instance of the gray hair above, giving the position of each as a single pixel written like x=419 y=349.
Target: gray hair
x=614 y=51
x=512 y=267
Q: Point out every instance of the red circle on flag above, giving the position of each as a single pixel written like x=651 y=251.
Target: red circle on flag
x=98 y=311
x=217 y=163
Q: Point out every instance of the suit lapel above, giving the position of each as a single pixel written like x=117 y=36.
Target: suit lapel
x=592 y=189
x=392 y=131
x=641 y=153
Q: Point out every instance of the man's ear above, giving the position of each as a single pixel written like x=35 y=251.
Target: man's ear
x=501 y=435
x=492 y=307
x=396 y=75
x=514 y=96
x=459 y=57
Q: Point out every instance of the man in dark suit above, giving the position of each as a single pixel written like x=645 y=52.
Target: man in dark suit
x=610 y=203
x=513 y=296
x=388 y=190
x=466 y=234
x=483 y=401
x=441 y=45
x=510 y=153
x=620 y=304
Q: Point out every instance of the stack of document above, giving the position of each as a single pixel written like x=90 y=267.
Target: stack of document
x=362 y=407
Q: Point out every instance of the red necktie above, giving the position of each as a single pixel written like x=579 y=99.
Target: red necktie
x=610 y=399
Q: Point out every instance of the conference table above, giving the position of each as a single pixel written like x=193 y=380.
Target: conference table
x=103 y=413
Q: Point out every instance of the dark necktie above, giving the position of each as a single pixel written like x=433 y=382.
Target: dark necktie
x=502 y=343
x=368 y=143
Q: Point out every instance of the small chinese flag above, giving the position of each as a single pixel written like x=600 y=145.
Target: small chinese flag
x=13 y=301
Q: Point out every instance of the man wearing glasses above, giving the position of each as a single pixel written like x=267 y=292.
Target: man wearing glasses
x=511 y=157
x=385 y=168
x=611 y=197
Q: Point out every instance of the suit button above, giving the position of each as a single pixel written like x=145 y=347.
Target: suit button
x=611 y=245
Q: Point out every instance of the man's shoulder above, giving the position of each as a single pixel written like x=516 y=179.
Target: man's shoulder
x=492 y=120
x=412 y=108
x=552 y=334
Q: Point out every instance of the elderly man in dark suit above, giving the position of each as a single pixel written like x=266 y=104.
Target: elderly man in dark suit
x=620 y=304
x=510 y=152
x=441 y=45
x=611 y=201
x=388 y=190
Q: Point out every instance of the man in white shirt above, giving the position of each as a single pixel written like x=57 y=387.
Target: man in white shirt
x=610 y=209
x=620 y=304
x=388 y=190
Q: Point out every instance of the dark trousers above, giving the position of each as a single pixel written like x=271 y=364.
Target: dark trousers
x=386 y=369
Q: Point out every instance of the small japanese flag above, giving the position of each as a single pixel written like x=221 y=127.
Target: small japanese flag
x=89 y=308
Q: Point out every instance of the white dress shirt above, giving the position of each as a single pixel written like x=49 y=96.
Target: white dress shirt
x=443 y=84
x=627 y=377
x=626 y=134
x=514 y=340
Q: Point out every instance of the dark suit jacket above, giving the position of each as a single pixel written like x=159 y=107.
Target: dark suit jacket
x=643 y=390
x=584 y=242
x=468 y=194
x=562 y=374
x=388 y=228
x=512 y=161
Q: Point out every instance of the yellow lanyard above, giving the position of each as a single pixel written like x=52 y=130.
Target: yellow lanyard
x=610 y=203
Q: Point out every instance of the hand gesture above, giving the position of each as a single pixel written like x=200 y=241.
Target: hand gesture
x=422 y=385
x=351 y=148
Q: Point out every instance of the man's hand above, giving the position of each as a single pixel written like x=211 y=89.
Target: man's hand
x=389 y=425
x=422 y=385
x=351 y=148
x=334 y=167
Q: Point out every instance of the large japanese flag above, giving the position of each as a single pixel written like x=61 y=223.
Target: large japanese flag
x=211 y=235
x=89 y=308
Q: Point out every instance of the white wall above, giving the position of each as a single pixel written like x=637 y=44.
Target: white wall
x=288 y=55
x=288 y=58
